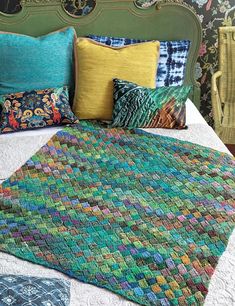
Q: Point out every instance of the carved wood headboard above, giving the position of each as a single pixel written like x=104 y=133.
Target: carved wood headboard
x=168 y=20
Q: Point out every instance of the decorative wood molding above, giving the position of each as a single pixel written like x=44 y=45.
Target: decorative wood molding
x=40 y=2
x=143 y=4
x=179 y=2
x=10 y=7
x=79 y=8
x=73 y=8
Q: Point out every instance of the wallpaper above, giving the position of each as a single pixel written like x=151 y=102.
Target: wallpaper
x=212 y=13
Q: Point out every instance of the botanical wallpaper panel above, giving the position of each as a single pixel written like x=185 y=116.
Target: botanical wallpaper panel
x=212 y=13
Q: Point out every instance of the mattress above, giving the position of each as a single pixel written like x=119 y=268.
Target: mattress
x=15 y=149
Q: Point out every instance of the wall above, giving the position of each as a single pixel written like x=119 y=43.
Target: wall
x=212 y=14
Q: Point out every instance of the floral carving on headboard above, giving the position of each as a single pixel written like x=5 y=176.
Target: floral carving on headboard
x=10 y=7
x=79 y=8
x=40 y=2
x=143 y=4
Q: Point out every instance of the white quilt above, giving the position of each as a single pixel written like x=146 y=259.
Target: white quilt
x=15 y=149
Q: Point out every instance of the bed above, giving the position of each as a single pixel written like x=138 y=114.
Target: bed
x=16 y=149
x=14 y=154
x=13 y=145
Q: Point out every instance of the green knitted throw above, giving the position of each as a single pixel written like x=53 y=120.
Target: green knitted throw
x=144 y=216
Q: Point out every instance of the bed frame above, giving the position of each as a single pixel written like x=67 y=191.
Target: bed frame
x=168 y=20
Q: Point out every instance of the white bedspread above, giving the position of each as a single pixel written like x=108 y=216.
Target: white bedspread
x=15 y=149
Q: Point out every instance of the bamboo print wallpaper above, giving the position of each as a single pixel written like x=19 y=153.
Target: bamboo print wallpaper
x=212 y=13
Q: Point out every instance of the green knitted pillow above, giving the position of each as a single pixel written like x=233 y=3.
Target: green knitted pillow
x=136 y=106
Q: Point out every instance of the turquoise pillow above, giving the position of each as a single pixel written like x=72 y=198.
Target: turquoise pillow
x=140 y=107
x=27 y=63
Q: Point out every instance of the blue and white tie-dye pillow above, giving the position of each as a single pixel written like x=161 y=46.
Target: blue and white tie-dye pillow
x=172 y=61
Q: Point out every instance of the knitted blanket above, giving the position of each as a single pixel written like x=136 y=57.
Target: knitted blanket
x=142 y=215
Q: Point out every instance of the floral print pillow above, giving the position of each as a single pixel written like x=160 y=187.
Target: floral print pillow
x=35 y=109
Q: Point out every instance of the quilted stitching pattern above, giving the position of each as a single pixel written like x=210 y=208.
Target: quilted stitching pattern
x=144 y=216
x=22 y=290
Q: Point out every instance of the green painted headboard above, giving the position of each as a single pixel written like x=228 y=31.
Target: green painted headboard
x=171 y=20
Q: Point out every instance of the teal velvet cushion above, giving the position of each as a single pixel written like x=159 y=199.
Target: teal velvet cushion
x=27 y=63
x=136 y=106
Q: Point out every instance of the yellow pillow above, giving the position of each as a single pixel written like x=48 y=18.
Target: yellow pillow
x=98 y=65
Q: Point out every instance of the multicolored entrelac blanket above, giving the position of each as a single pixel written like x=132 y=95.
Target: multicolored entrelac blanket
x=144 y=216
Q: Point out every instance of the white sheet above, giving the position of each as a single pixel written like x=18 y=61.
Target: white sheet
x=193 y=117
x=15 y=149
